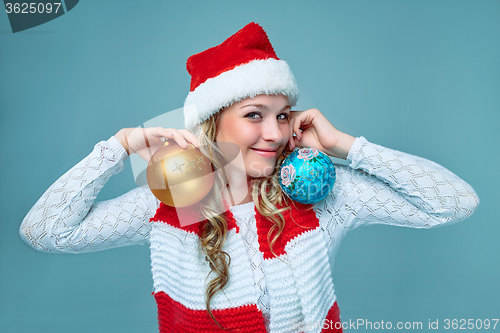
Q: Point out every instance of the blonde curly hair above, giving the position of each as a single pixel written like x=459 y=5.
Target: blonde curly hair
x=266 y=195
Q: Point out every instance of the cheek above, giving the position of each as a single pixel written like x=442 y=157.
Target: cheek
x=235 y=133
x=227 y=132
x=285 y=130
x=245 y=136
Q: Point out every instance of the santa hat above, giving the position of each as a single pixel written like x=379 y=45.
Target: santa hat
x=244 y=65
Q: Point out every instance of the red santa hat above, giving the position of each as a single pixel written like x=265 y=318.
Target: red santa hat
x=244 y=65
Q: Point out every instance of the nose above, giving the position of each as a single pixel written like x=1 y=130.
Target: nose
x=271 y=131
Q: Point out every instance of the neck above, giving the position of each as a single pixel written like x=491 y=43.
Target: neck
x=239 y=189
x=238 y=192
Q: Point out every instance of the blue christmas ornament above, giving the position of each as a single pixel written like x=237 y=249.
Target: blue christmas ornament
x=307 y=175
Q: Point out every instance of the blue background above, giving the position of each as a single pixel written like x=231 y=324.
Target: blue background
x=418 y=76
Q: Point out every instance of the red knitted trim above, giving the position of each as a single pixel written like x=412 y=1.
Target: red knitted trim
x=332 y=323
x=171 y=216
x=173 y=317
x=303 y=221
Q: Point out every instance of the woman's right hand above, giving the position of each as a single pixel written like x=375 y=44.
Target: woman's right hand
x=146 y=141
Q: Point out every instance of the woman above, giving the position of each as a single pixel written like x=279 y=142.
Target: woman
x=262 y=263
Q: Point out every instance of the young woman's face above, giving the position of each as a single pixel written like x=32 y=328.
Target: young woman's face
x=259 y=126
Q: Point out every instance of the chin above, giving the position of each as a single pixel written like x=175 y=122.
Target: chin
x=259 y=170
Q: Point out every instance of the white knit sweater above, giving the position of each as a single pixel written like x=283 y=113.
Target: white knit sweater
x=380 y=185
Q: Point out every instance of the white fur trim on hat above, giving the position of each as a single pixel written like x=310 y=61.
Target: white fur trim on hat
x=269 y=76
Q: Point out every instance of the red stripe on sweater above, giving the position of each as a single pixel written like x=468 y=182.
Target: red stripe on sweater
x=172 y=216
x=297 y=221
x=173 y=317
x=332 y=323
x=299 y=218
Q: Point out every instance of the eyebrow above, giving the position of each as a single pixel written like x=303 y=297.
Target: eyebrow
x=263 y=106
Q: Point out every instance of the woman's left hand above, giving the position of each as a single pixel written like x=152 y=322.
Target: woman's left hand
x=313 y=130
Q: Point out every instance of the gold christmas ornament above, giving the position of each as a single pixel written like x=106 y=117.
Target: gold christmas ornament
x=179 y=177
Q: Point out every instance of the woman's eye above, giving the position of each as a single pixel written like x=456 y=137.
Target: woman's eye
x=256 y=115
x=252 y=115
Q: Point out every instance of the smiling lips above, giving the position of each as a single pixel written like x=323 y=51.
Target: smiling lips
x=265 y=152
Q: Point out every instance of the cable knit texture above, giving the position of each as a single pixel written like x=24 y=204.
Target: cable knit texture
x=285 y=294
x=299 y=279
